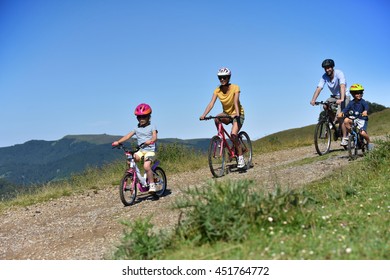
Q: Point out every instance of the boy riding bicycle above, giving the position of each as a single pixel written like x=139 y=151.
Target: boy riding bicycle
x=360 y=106
x=229 y=95
x=146 y=133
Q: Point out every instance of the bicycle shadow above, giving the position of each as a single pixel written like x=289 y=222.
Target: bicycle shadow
x=150 y=197
x=232 y=168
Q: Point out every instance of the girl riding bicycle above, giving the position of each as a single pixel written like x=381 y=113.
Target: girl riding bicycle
x=229 y=95
x=146 y=133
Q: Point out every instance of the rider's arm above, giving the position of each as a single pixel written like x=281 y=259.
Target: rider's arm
x=315 y=95
x=209 y=106
x=123 y=139
x=342 y=93
x=236 y=101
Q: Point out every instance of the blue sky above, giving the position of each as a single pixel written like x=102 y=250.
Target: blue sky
x=81 y=66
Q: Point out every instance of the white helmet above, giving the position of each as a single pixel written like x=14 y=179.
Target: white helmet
x=224 y=72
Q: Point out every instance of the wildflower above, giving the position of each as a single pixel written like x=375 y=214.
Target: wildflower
x=270 y=219
x=348 y=250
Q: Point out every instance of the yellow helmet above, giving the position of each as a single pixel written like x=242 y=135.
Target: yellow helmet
x=356 y=88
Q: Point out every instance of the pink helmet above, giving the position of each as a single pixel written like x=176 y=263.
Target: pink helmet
x=142 y=110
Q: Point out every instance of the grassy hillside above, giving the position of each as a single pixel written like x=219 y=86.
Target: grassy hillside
x=379 y=124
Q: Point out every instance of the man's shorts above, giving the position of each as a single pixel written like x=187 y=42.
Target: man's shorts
x=148 y=155
x=340 y=107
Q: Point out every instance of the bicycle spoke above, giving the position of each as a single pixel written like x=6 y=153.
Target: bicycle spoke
x=216 y=156
x=322 y=138
x=160 y=179
x=127 y=190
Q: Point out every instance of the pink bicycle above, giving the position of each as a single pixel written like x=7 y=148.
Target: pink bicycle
x=222 y=150
x=133 y=180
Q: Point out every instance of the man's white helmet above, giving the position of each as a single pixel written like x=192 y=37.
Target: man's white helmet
x=224 y=72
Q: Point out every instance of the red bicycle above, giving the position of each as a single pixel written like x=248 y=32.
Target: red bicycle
x=222 y=150
x=133 y=179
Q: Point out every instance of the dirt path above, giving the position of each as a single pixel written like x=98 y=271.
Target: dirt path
x=87 y=227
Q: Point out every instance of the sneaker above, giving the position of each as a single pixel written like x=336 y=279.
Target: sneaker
x=370 y=146
x=344 y=142
x=241 y=162
x=152 y=188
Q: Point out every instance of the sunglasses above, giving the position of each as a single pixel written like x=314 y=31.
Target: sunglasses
x=143 y=117
x=223 y=77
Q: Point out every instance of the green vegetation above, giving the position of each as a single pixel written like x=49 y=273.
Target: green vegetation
x=343 y=217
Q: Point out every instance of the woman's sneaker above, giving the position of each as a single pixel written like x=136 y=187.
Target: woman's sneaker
x=241 y=162
x=152 y=188
x=344 y=142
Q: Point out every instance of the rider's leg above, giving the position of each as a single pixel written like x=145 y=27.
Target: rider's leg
x=148 y=160
x=346 y=127
x=364 y=134
x=234 y=133
x=223 y=120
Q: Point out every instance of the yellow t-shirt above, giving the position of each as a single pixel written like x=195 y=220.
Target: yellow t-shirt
x=227 y=99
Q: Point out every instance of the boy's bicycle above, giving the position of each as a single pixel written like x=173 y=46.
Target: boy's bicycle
x=133 y=180
x=355 y=140
x=222 y=149
x=323 y=131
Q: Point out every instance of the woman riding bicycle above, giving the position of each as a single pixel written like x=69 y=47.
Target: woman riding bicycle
x=145 y=133
x=229 y=95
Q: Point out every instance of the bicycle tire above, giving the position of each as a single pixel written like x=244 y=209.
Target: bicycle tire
x=352 y=147
x=322 y=138
x=216 y=157
x=128 y=189
x=363 y=144
x=160 y=179
x=246 y=146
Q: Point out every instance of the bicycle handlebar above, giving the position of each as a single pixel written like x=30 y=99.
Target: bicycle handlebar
x=126 y=149
x=217 y=117
x=323 y=102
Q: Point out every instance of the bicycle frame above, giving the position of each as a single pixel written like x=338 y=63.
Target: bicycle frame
x=133 y=180
x=326 y=116
x=220 y=142
x=134 y=170
x=222 y=133
x=355 y=140
x=323 y=130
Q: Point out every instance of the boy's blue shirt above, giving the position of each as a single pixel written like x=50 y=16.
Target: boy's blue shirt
x=357 y=106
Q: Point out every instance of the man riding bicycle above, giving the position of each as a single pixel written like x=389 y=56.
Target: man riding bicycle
x=229 y=95
x=337 y=85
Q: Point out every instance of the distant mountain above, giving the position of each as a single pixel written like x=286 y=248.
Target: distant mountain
x=39 y=161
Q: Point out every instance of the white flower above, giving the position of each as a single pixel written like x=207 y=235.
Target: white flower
x=270 y=219
x=348 y=250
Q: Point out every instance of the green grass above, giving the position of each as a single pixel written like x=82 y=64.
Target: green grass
x=342 y=217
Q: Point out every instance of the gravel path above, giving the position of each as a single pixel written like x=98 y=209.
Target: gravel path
x=87 y=226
